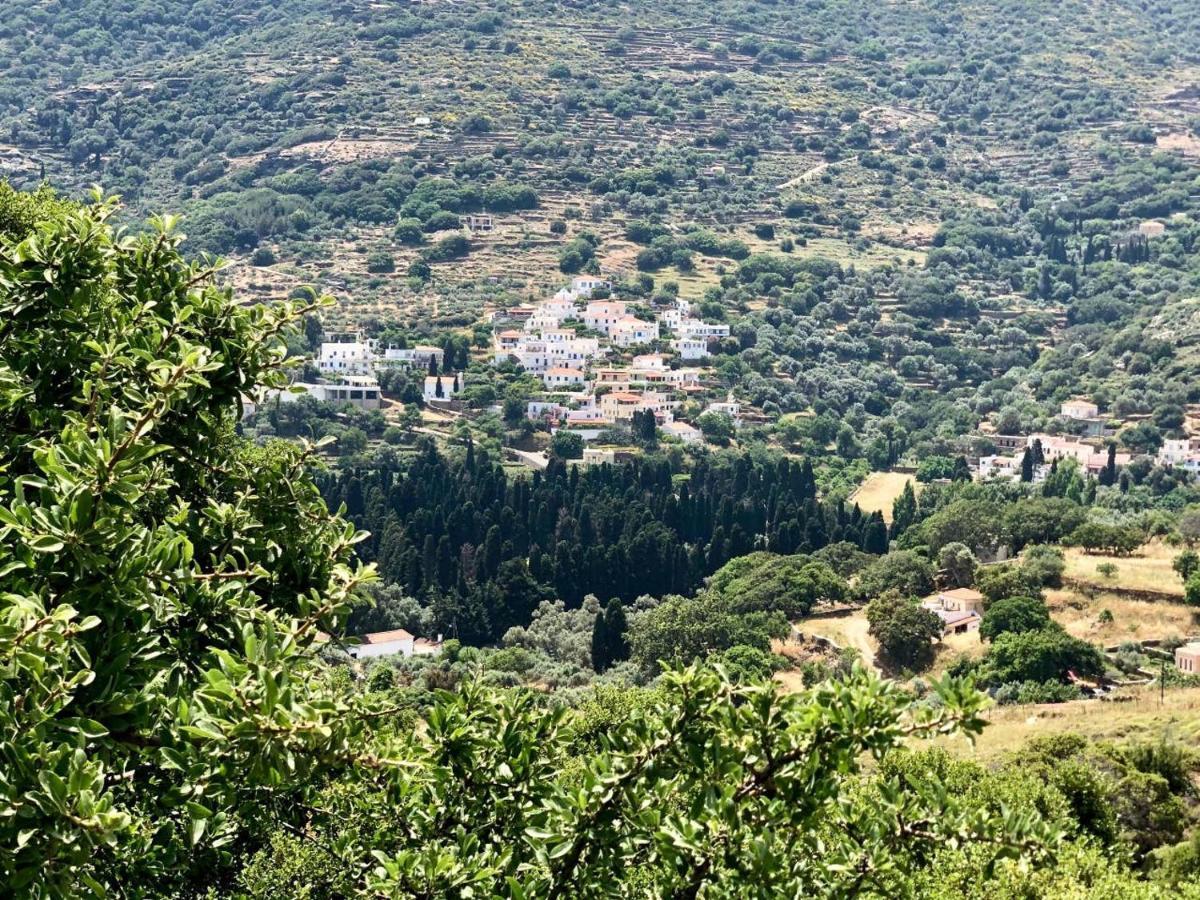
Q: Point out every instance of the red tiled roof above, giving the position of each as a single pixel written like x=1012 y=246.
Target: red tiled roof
x=384 y=637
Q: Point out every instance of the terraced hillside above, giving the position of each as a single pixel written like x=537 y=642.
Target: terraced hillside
x=978 y=174
x=300 y=125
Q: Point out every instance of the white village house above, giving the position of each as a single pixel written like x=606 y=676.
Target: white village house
x=345 y=358
x=1079 y=408
x=391 y=643
x=440 y=388
x=960 y=609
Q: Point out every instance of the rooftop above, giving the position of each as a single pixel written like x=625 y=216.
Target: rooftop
x=965 y=594
x=385 y=637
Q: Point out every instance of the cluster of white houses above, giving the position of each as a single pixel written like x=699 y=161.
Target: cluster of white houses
x=1091 y=455
x=565 y=341
x=349 y=370
x=1007 y=466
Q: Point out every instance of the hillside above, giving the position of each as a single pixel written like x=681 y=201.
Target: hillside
x=971 y=171
x=740 y=449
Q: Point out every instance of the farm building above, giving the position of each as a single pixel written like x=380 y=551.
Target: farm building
x=1187 y=658
x=1079 y=408
x=440 y=388
x=391 y=643
x=960 y=609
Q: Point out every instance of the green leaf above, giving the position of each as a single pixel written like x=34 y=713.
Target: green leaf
x=45 y=543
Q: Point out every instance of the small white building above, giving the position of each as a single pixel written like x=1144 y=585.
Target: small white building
x=694 y=328
x=383 y=643
x=729 y=406
x=688 y=434
x=441 y=388
x=419 y=355
x=583 y=285
x=961 y=610
x=1079 y=408
x=598 y=456
x=650 y=361
x=630 y=331
x=691 y=348
x=545 y=411
x=1187 y=657
x=1181 y=453
x=362 y=391
x=391 y=643
x=1006 y=467
x=562 y=377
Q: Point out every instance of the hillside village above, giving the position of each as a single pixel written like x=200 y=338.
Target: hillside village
x=571 y=342
x=603 y=363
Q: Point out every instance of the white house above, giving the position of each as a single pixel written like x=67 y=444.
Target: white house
x=689 y=434
x=602 y=315
x=650 y=361
x=629 y=331
x=585 y=284
x=694 y=328
x=729 y=406
x=1187 y=657
x=596 y=456
x=544 y=410
x=561 y=306
x=672 y=318
x=357 y=390
x=998 y=467
x=541 y=321
x=548 y=349
x=411 y=356
x=961 y=609
x=1079 y=408
x=391 y=643
x=345 y=358
x=562 y=377
x=440 y=388
x=1090 y=458
x=691 y=348
x=506 y=341
x=1183 y=453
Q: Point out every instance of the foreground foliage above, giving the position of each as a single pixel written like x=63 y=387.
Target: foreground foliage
x=162 y=581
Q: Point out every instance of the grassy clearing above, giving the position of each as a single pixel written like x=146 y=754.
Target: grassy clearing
x=880 y=489
x=1132 y=620
x=876 y=254
x=1137 y=715
x=845 y=631
x=1149 y=569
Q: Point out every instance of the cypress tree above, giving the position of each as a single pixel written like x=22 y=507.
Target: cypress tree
x=904 y=510
x=875 y=536
x=600 y=657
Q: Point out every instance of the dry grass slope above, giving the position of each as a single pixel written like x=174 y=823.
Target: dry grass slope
x=1149 y=569
x=880 y=489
